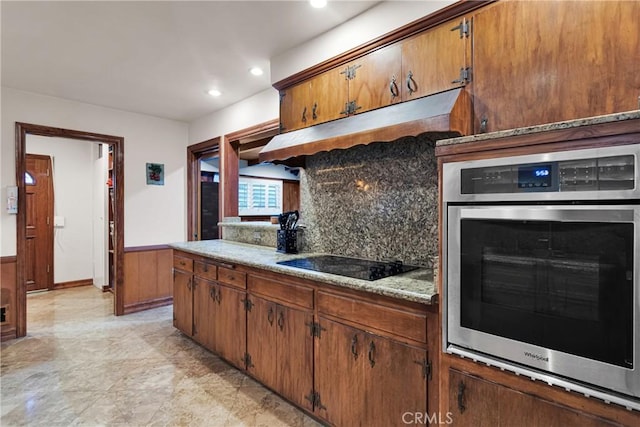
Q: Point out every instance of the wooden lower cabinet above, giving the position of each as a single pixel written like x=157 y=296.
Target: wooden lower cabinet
x=280 y=348
x=183 y=301
x=219 y=321
x=379 y=380
x=311 y=345
x=340 y=390
x=230 y=324
x=203 y=312
x=474 y=401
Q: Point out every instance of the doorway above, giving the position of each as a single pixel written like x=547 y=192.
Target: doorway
x=229 y=150
x=116 y=145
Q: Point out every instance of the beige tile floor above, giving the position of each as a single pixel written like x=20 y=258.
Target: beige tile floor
x=81 y=366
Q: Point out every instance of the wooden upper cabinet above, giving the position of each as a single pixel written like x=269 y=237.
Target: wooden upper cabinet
x=376 y=80
x=547 y=61
x=317 y=100
x=435 y=60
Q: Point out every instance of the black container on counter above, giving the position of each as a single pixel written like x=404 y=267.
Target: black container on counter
x=287 y=241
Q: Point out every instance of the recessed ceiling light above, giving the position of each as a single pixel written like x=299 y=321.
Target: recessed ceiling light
x=318 y=4
x=214 y=92
x=256 y=71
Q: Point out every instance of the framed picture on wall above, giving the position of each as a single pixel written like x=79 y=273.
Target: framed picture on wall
x=155 y=174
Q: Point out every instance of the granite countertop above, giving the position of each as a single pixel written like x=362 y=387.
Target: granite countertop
x=249 y=224
x=416 y=285
x=587 y=121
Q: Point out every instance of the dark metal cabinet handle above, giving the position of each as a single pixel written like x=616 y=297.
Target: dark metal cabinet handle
x=219 y=296
x=461 y=388
x=354 y=347
x=372 y=354
x=189 y=284
x=393 y=88
x=206 y=268
x=411 y=84
x=212 y=293
x=304 y=115
x=281 y=320
x=270 y=316
x=314 y=111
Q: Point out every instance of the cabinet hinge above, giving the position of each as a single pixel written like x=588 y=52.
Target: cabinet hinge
x=282 y=95
x=350 y=72
x=350 y=108
x=248 y=305
x=464 y=28
x=315 y=329
x=426 y=368
x=247 y=361
x=465 y=76
x=314 y=398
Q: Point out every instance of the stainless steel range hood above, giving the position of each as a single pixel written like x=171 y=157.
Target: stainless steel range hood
x=447 y=112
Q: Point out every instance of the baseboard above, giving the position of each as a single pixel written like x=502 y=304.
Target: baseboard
x=146 y=305
x=73 y=284
x=107 y=288
x=8 y=333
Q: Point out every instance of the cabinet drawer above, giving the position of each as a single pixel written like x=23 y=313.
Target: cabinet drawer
x=182 y=263
x=287 y=293
x=232 y=277
x=389 y=319
x=205 y=270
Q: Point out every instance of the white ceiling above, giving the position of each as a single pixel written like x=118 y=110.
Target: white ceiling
x=155 y=57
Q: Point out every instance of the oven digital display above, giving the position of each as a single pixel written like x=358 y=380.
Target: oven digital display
x=538 y=176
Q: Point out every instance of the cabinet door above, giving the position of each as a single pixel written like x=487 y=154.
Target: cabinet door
x=327 y=97
x=204 y=312
x=395 y=380
x=431 y=61
x=183 y=301
x=548 y=61
x=293 y=104
x=295 y=355
x=261 y=340
x=230 y=324
x=377 y=80
x=340 y=373
x=473 y=402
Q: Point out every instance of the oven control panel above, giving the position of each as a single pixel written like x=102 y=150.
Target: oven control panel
x=590 y=174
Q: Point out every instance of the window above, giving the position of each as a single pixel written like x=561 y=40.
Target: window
x=259 y=196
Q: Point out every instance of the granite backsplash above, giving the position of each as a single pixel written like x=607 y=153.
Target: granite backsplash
x=378 y=201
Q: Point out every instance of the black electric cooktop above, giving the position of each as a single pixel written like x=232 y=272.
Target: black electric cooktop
x=351 y=267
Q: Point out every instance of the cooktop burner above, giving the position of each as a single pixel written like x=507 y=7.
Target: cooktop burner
x=351 y=267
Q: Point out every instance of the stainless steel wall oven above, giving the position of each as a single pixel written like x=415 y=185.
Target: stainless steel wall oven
x=542 y=267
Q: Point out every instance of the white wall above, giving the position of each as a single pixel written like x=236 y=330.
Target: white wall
x=153 y=214
x=260 y=108
x=73 y=200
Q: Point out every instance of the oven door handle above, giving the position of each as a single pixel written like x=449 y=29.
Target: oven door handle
x=553 y=213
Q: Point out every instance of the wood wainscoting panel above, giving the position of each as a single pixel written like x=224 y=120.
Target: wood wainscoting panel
x=147 y=278
x=8 y=300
